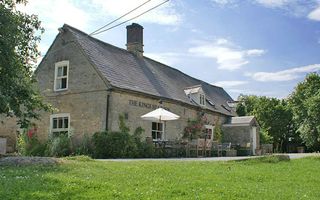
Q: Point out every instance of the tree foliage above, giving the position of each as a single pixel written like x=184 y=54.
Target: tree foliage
x=19 y=38
x=305 y=104
x=274 y=117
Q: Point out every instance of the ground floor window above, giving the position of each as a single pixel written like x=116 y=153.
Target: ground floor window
x=209 y=131
x=157 y=131
x=60 y=124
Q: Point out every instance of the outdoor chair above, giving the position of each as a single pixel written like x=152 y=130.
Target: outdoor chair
x=208 y=148
x=226 y=146
x=172 y=147
x=197 y=146
x=217 y=147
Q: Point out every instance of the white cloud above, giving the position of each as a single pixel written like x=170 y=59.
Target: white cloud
x=222 y=41
x=81 y=14
x=230 y=84
x=90 y=14
x=168 y=58
x=315 y=14
x=223 y=2
x=274 y=3
x=166 y=14
x=255 y=52
x=284 y=75
x=266 y=3
x=227 y=55
x=54 y=14
x=297 y=8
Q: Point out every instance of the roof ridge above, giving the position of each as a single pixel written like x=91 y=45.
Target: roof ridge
x=106 y=64
x=98 y=40
x=119 y=48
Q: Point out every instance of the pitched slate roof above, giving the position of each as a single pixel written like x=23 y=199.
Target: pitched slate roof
x=125 y=70
x=243 y=120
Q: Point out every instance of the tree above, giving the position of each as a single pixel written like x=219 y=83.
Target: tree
x=247 y=104
x=273 y=115
x=305 y=104
x=19 y=37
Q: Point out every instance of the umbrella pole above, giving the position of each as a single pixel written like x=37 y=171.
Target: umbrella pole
x=164 y=130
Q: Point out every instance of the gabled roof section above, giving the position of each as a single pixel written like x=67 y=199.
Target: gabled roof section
x=243 y=120
x=193 y=89
x=127 y=71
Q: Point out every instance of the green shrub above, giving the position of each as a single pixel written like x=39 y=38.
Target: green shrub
x=29 y=145
x=59 y=146
x=114 y=145
x=146 y=150
x=85 y=147
x=99 y=141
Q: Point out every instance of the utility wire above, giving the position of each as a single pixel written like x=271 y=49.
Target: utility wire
x=120 y=17
x=131 y=18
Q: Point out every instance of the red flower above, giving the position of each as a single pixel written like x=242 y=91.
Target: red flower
x=30 y=133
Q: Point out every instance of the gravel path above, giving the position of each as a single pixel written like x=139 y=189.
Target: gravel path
x=292 y=156
x=24 y=160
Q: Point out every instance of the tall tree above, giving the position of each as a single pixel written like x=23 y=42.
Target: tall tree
x=273 y=115
x=19 y=38
x=305 y=103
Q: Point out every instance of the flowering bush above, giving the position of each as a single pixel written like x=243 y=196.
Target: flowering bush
x=29 y=145
x=195 y=128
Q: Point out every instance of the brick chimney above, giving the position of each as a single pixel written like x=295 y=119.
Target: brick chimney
x=135 y=39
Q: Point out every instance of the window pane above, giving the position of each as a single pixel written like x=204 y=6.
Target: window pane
x=154 y=135
x=60 y=123
x=159 y=135
x=63 y=83
x=59 y=72
x=66 y=122
x=54 y=124
x=65 y=70
x=160 y=127
x=58 y=84
x=154 y=126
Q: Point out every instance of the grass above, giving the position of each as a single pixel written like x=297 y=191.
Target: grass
x=88 y=179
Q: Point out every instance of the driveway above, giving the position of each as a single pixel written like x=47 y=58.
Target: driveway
x=291 y=155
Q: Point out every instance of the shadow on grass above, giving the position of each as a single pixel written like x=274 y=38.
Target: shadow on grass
x=267 y=159
x=40 y=182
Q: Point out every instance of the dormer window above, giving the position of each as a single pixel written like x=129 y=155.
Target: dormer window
x=196 y=95
x=202 y=99
x=61 y=75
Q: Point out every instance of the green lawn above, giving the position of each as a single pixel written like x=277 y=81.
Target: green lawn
x=75 y=179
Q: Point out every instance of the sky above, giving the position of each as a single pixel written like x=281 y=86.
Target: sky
x=251 y=47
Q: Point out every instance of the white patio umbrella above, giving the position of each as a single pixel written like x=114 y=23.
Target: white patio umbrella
x=160 y=115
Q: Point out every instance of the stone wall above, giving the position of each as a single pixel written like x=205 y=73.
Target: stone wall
x=8 y=130
x=87 y=114
x=241 y=135
x=86 y=97
x=137 y=105
x=238 y=135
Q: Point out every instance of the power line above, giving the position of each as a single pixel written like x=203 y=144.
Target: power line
x=120 y=17
x=131 y=18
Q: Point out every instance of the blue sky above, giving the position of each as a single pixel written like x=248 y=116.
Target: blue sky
x=260 y=47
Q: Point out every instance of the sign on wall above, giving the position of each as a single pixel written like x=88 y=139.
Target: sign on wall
x=144 y=105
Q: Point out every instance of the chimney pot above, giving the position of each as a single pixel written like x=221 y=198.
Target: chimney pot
x=135 y=39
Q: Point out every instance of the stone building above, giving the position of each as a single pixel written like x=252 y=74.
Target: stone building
x=243 y=131
x=91 y=82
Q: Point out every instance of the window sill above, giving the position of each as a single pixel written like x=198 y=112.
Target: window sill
x=60 y=90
